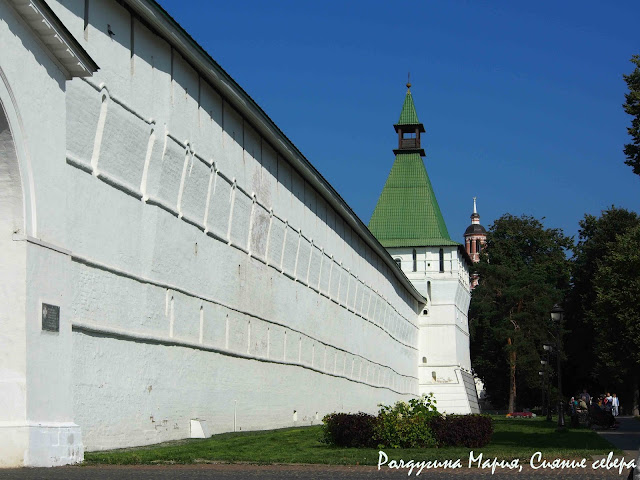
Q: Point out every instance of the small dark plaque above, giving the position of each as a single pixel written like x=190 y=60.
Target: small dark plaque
x=50 y=318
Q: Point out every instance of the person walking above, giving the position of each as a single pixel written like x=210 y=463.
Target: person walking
x=615 y=405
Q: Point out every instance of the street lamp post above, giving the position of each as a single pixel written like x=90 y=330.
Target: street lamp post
x=543 y=374
x=548 y=349
x=557 y=314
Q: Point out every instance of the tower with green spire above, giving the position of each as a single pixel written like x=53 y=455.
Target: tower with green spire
x=407 y=213
x=408 y=222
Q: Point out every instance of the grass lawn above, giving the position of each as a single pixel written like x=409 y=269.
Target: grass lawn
x=517 y=438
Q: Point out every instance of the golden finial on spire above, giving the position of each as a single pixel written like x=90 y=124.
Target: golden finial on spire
x=409 y=80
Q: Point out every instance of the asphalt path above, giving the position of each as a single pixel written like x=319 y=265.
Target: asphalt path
x=626 y=437
x=286 y=472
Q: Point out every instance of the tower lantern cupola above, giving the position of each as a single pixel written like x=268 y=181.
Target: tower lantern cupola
x=409 y=128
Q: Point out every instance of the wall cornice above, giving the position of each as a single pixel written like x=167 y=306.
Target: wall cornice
x=64 y=49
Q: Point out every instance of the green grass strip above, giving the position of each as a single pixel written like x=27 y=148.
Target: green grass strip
x=512 y=438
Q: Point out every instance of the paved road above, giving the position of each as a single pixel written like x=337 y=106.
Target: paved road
x=284 y=472
x=626 y=437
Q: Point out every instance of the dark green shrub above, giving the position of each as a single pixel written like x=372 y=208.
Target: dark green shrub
x=407 y=424
x=403 y=425
x=471 y=431
x=404 y=432
x=349 y=430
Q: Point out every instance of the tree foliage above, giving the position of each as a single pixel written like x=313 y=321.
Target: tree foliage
x=596 y=237
x=632 y=107
x=604 y=305
x=617 y=288
x=523 y=272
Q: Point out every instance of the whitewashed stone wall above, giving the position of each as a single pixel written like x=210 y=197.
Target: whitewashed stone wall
x=444 y=356
x=209 y=278
x=203 y=270
x=36 y=403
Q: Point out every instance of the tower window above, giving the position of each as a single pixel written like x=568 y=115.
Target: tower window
x=441 y=260
x=398 y=262
x=478 y=246
x=415 y=260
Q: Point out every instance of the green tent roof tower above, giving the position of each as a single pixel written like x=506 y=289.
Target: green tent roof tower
x=407 y=213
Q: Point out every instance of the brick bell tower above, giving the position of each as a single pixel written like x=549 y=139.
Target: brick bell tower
x=475 y=238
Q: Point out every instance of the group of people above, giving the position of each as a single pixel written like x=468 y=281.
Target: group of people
x=602 y=410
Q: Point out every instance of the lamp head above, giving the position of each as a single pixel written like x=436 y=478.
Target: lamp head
x=557 y=312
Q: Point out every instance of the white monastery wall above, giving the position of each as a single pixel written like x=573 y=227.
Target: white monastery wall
x=208 y=278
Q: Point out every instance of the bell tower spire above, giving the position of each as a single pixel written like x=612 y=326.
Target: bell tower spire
x=409 y=127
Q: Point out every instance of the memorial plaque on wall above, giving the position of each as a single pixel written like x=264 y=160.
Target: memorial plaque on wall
x=50 y=317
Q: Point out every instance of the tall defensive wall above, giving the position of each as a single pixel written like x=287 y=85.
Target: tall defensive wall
x=202 y=269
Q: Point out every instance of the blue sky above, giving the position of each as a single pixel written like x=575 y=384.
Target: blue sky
x=521 y=101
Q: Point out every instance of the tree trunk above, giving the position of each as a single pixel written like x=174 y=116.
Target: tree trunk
x=512 y=379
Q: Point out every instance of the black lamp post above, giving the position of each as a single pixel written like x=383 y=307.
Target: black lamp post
x=548 y=349
x=557 y=314
x=543 y=374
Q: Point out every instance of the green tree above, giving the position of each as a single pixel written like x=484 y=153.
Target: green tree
x=596 y=238
x=523 y=272
x=632 y=107
x=617 y=287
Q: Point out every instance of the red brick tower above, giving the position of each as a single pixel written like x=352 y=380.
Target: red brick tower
x=475 y=237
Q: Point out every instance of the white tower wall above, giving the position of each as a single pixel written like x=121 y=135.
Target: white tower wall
x=444 y=328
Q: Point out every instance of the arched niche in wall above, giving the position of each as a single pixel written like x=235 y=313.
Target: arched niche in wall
x=17 y=203
x=11 y=204
x=12 y=265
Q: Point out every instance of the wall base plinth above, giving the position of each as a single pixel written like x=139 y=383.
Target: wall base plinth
x=40 y=444
x=458 y=396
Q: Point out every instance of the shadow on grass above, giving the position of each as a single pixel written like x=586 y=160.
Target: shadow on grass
x=533 y=434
